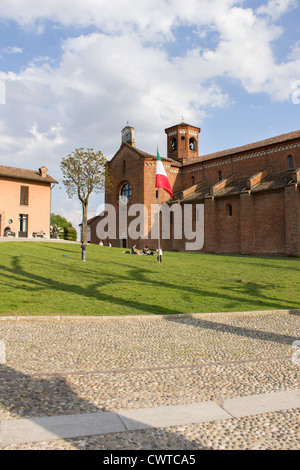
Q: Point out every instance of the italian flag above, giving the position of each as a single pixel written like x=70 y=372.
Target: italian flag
x=161 y=180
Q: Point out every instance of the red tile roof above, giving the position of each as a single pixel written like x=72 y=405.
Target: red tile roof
x=255 y=145
x=20 y=173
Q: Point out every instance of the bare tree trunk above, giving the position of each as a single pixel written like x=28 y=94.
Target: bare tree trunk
x=84 y=221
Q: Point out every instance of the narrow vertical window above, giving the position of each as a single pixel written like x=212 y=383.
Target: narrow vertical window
x=124 y=167
x=220 y=175
x=192 y=180
x=192 y=144
x=24 y=195
x=229 y=210
x=290 y=162
x=174 y=144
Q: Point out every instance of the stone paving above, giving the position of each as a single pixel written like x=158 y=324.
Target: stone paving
x=64 y=366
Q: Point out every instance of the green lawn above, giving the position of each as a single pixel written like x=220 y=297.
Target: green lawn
x=36 y=278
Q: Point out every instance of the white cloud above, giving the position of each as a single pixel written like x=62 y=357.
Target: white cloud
x=12 y=50
x=155 y=20
x=124 y=72
x=115 y=71
x=104 y=80
x=275 y=8
x=91 y=87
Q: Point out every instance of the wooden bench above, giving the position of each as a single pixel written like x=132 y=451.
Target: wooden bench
x=9 y=234
x=38 y=234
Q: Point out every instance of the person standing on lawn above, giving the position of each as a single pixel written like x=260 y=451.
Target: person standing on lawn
x=83 y=251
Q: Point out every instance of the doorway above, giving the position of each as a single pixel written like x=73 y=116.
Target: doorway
x=124 y=243
x=23 y=225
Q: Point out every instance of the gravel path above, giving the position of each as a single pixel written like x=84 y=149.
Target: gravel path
x=81 y=365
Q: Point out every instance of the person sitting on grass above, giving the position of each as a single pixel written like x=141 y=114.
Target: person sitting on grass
x=135 y=251
x=147 y=251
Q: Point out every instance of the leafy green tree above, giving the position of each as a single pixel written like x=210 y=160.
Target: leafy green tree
x=66 y=230
x=84 y=172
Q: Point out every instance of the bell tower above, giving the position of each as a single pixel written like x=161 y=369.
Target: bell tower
x=182 y=142
x=128 y=135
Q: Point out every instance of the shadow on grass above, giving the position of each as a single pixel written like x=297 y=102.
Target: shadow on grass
x=132 y=273
x=61 y=247
x=41 y=282
x=252 y=289
x=262 y=262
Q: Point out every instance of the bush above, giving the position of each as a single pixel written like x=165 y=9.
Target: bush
x=70 y=234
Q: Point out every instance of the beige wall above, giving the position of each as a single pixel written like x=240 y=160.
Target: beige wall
x=38 y=208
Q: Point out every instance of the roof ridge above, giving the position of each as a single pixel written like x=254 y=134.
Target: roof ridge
x=243 y=148
x=25 y=174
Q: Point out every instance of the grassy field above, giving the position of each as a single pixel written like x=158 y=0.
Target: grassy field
x=49 y=278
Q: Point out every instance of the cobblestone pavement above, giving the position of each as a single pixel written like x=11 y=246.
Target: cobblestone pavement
x=70 y=366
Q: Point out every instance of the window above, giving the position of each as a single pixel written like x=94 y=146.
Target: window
x=124 y=167
x=192 y=180
x=290 y=162
x=192 y=143
x=24 y=195
x=125 y=193
x=229 y=210
x=174 y=144
x=220 y=175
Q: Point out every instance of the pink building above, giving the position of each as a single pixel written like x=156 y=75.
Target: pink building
x=25 y=201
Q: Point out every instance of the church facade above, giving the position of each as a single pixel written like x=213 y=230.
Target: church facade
x=249 y=196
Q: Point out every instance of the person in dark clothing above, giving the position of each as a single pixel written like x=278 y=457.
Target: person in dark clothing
x=83 y=251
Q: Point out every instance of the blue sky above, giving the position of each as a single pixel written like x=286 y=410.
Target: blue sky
x=75 y=72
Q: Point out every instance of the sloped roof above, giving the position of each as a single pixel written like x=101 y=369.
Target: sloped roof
x=255 y=145
x=23 y=174
x=271 y=182
x=201 y=190
x=275 y=181
x=163 y=159
x=235 y=187
x=143 y=154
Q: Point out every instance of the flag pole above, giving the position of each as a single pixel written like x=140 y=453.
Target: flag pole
x=158 y=225
x=161 y=181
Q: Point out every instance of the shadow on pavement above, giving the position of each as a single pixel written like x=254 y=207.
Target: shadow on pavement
x=39 y=399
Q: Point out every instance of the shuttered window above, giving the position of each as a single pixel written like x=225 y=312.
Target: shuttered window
x=24 y=195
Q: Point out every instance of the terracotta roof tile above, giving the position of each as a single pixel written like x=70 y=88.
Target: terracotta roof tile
x=255 y=145
x=20 y=173
x=201 y=190
x=236 y=186
x=275 y=181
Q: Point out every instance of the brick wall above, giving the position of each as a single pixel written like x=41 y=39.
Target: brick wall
x=292 y=220
x=266 y=222
x=269 y=223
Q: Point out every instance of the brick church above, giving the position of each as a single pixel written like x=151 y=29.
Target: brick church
x=250 y=194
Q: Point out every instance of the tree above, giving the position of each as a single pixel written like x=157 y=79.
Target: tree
x=84 y=172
